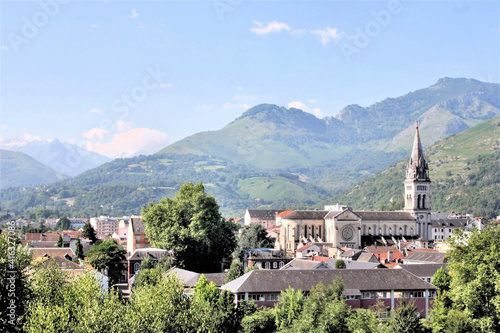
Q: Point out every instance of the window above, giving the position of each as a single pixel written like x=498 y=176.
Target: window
x=267 y=265
x=366 y=295
x=282 y=264
x=273 y=297
x=257 y=297
x=137 y=267
x=275 y=264
x=382 y=294
x=417 y=294
x=241 y=297
x=351 y=297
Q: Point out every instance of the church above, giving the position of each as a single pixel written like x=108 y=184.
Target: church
x=343 y=227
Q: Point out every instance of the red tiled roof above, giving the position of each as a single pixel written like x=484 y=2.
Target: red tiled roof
x=303 y=247
x=285 y=213
x=319 y=258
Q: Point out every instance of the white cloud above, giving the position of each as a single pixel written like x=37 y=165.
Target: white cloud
x=5 y=47
x=17 y=142
x=302 y=106
x=134 y=14
x=122 y=126
x=135 y=141
x=29 y=137
x=273 y=26
x=96 y=111
x=95 y=134
x=166 y=85
x=329 y=34
x=93 y=26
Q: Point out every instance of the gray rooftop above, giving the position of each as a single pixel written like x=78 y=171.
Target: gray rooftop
x=298 y=263
x=270 y=281
x=431 y=257
x=189 y=278
x=264 y=214
x=449 y=223
x=307 y=215
x=422 y=270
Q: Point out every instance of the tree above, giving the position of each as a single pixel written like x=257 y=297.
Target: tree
x=59 y=241
x=289 y=307
x=108 y=255
x=441 y=279
x=63 y=224
x=474 y=267
x=340 y=264
x=192 y=226
x=89 y=232
x=235 y=271
x=78 y=249
x=262 y=321
x=253 y=236
x=406 y=318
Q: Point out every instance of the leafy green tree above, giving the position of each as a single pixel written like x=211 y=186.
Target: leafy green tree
x=89 y=232
x=163 y=307
x=262 y=321
x=78 y=249
x=441 y=279
x=253 y=236
x=108 y=255
x=405 y=318
x=365 y=321
x=14 y=287
x=63 y=224
x=340 y=264
x=289 y=308
x=192 y=226
x=474 y=267
x=59 y=241
x=235 y=271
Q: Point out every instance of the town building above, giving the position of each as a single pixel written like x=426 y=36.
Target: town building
x=106 y=226
x=362 y=288
x=265 y=217
x=346 y=228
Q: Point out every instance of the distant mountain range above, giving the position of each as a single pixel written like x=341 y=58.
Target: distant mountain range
x=18 y=169
x=276 y=157
x=63 y=158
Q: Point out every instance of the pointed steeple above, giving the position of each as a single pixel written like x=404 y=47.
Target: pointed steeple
x=417 y=168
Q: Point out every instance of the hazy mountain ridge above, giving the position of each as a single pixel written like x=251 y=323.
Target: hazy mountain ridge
x=18 y=169
x=276 y=157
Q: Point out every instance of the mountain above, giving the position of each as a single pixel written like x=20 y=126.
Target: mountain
x=65 y=158
x=274 y=157
x=18 y=169
x=463 y=169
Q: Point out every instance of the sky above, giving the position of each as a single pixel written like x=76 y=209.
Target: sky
x=118 y=77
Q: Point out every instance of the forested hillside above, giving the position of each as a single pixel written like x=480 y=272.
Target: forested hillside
x=463 y=169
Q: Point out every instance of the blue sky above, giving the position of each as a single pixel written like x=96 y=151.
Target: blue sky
x=124 y=76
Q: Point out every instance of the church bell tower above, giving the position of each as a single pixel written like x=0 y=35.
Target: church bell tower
x=418 y=188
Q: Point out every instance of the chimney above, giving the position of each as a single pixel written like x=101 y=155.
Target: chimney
x=389 y=256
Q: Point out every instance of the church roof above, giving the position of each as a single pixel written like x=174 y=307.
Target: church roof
x=264 y=214
x=449 y=223
x=365 y=215
x=307 y=214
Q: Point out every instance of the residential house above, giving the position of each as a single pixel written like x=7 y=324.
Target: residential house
x=265 y=258
x=136 y=235
x=135 y=259
x=388 y=256
x=53 y=252
x=265 y=217
x=313 y=249
x=76 y=222
x=362 y=288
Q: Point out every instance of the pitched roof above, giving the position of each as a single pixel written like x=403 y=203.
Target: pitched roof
x=53 y=252
x=141 y=254
x=262 y=281
x=365 y=215
x=264 y=214
x=422 y=270
x=431 y=257
x=300 y=249
x=367 y=257
x=189 y=278
x=137 y=225
x=307 y=214
x=43 y=244
x=62 y=263
x=298 y=263
x=449 y=223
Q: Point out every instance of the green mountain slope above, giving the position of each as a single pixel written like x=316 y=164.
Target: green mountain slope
x=18 y=169
x=464 y=172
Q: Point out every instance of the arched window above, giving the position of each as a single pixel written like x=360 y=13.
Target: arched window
x=282 y=264
x=137 y=267
x=364 y=229
x=423 y=201
x=268 y=265
x=385 y=229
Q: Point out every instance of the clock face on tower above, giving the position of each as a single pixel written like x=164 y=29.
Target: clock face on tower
x=347 y=233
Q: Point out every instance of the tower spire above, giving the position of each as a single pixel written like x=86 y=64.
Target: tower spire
x=417 y=168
